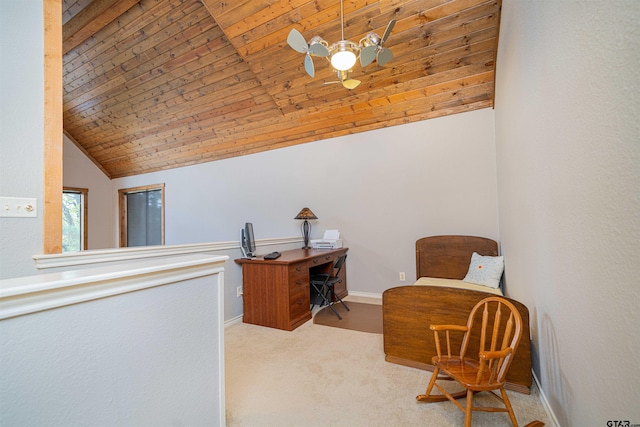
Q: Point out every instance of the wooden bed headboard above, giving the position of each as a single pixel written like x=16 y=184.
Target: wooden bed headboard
x=448 y=257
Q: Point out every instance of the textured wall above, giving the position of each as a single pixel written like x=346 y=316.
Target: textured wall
x=144 y=358
x=568 y=150
x=21 y=130
x=382 y=189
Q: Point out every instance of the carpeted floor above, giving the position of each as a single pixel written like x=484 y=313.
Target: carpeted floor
x=326 y=376
x=360 y=317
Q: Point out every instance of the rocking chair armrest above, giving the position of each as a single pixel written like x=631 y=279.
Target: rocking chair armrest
x=498 y=354
x=448 y=328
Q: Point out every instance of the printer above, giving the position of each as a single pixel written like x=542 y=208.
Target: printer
x=330 y=240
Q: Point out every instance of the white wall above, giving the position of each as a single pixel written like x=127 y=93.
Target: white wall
x=80 y=172
x=21 y=130
x=137 y=344
x=382 y=189
x=568 y=145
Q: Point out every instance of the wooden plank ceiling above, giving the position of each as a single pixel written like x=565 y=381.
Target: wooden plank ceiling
x=156 y=84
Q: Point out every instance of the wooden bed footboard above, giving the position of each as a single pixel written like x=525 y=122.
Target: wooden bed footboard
x=409 y=310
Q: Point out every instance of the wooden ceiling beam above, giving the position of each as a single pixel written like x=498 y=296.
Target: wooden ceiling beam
x=92 y=19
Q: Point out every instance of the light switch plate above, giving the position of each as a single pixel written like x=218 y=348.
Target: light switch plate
x=19 y=207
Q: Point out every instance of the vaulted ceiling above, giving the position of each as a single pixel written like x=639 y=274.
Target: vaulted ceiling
x=157 y=84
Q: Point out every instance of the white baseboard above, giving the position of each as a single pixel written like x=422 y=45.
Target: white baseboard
x=368 y=295
x=233 y=321
x=545 y=402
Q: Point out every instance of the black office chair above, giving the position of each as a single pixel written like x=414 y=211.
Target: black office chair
x=324 y=284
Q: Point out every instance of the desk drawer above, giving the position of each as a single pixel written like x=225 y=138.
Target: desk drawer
x=299 y=273
x=323 y=259
x=299 y=268
x=299 y=301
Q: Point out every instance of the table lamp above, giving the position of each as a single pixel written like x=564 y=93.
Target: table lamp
x=306 y=215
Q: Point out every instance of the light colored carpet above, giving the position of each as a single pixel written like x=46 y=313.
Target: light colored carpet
x=324 y=376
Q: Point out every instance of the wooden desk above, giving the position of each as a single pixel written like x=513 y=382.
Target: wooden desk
x=276 y=292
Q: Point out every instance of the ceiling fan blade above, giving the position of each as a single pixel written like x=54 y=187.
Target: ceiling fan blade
x=367 y=55
x=385 y=55
x=308 y=65
x=350 y=83
x=390 y=26
x=318 y=50
x=297 y=41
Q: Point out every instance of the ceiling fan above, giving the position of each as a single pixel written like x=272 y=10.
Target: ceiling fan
x=342 y=55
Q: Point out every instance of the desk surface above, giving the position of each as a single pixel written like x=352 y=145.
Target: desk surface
x=287 y=257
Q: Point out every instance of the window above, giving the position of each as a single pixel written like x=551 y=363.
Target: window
x=141 y=215
x=74 y=219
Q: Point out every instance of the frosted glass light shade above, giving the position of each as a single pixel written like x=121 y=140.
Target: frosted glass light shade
x=343 y=55
x=343 y=61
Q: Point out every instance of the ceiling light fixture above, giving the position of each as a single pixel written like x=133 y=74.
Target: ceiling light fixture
x=342 y=55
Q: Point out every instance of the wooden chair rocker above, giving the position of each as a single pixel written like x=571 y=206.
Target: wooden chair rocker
x=492 y=335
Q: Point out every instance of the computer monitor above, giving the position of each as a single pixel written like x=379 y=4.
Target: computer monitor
x=247 y=241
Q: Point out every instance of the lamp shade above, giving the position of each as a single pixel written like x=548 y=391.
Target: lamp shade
x=343 y=55
x=306 y=213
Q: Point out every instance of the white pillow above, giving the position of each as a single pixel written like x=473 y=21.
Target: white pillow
x=485 y=270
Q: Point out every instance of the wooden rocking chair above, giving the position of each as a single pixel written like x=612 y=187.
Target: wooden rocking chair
x=500 y=330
